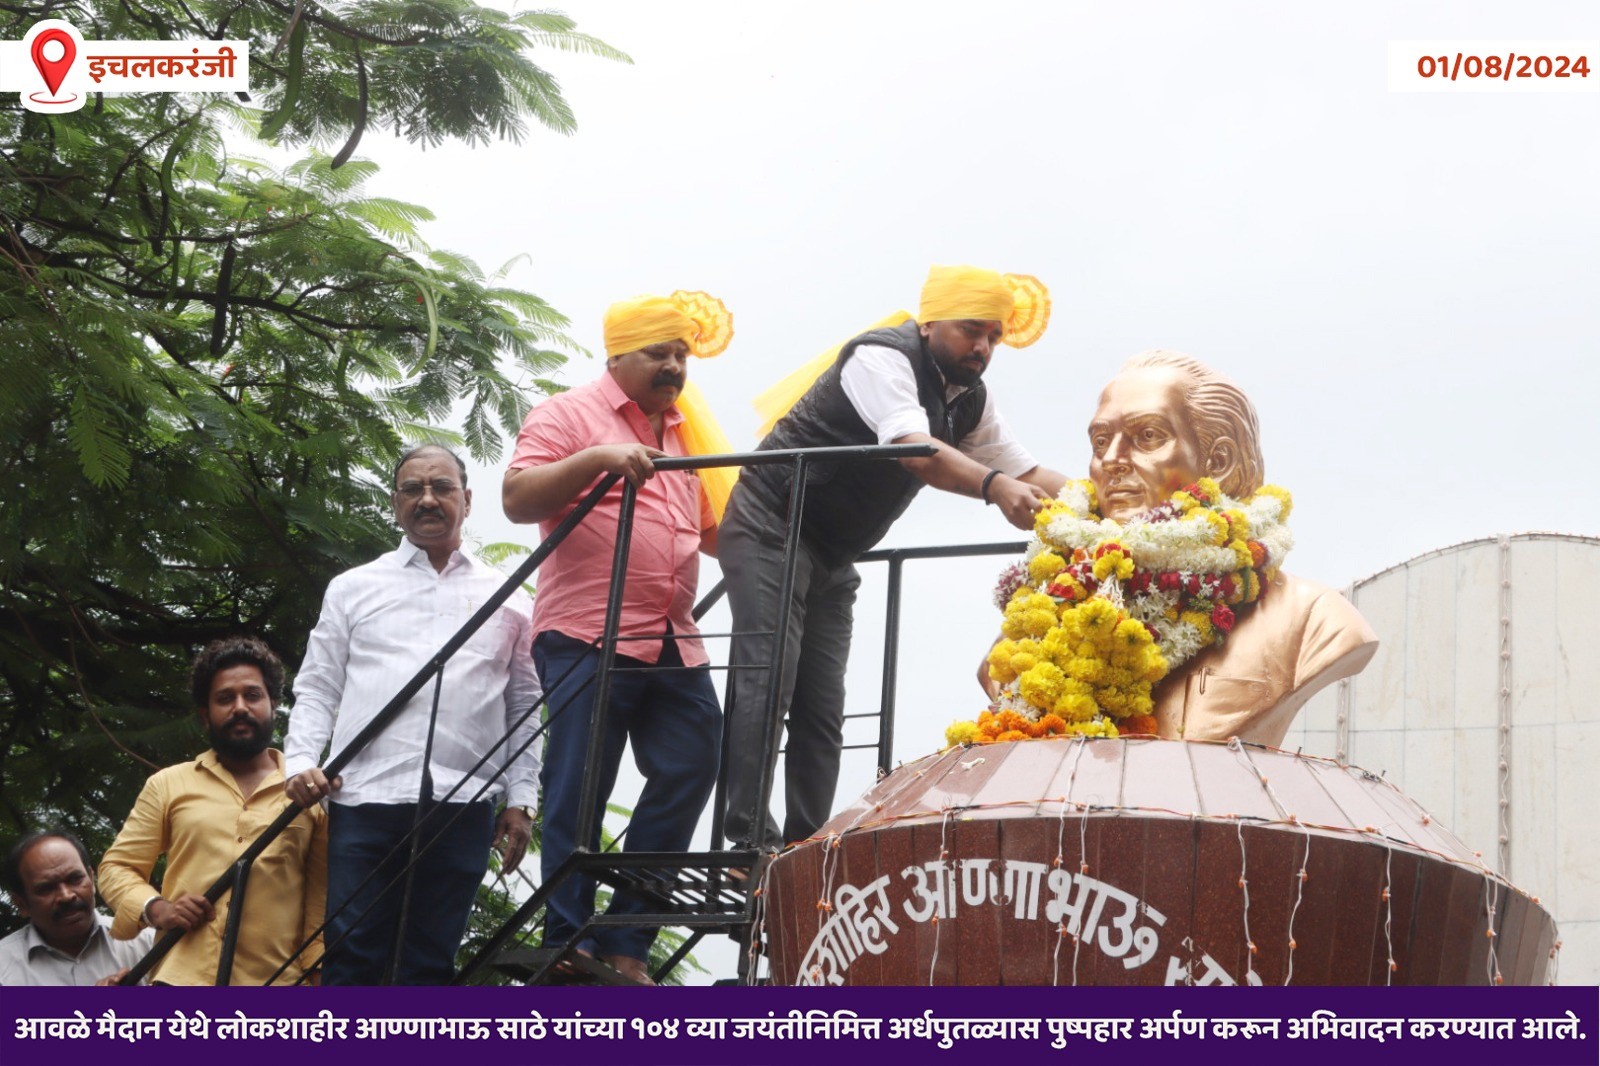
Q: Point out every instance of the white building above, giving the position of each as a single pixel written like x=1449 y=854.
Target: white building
x=1483 y=705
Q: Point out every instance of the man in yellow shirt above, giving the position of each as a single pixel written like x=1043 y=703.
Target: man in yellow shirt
x=202 y=813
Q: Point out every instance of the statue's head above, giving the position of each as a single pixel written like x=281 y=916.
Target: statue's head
x=1165 y=420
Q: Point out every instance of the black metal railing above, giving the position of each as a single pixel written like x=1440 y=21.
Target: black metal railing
x=236 y=878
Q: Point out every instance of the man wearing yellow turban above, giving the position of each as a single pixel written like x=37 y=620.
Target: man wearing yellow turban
x=632 y=414
x=910 y=381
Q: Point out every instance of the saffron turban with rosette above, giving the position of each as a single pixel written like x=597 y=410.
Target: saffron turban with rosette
x=1020 y=302
x=701 y=321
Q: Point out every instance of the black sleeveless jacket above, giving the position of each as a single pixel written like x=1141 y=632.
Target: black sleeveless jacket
x=850 y=506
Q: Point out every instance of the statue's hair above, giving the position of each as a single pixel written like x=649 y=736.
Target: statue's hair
x=1220 y=409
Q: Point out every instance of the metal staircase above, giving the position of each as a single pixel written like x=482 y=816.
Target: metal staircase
x=699 y=891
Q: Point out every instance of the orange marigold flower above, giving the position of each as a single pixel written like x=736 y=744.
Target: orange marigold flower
x=1258 y=553
x=1011 y=720
x=1137 y=725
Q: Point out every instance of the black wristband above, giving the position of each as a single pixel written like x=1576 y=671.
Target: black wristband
x=983 y=490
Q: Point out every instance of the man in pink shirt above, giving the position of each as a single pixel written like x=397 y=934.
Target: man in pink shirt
x=618 y=424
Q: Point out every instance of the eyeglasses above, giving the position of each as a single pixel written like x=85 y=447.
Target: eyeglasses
x=413 y=490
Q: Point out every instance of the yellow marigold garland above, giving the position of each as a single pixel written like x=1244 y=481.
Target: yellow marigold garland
x=1099 y=612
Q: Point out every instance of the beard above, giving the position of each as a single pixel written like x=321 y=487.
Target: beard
x=241 y=746
x=956 y=371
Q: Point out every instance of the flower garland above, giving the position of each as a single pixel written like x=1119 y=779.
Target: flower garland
x=1097 y=611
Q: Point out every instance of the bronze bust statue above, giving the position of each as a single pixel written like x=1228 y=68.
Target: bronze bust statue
x=1164 y=422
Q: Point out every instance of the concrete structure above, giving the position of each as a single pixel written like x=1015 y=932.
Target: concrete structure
x=1483 y=706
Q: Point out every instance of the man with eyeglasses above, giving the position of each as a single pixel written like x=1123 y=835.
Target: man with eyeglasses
x=380 y=624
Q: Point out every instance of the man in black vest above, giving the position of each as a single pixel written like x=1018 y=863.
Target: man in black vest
x=916 y=383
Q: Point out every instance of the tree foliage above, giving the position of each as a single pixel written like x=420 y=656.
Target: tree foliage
x=209 y=364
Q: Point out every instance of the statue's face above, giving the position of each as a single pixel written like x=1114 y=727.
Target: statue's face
x=1144 y=443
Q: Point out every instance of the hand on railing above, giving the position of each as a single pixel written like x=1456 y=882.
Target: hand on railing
x=632 y=461
x=310 y=786
x=189 y=911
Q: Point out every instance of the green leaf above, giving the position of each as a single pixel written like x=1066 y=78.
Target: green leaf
x=92 y=429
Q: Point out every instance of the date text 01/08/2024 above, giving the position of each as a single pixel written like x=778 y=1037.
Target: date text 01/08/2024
x=1513 y=66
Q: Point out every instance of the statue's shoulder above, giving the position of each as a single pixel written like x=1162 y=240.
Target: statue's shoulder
x=1329 y=626
x=1303 y=596
x=1299 y=590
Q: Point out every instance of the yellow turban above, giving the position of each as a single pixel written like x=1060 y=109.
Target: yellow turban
x=1019 y=301
x=701 y=321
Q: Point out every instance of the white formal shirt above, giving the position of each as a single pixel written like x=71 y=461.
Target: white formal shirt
x=380 y=624
x=882 y=387
x=25 y=959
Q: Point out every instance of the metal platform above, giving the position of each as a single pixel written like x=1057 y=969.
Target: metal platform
x=704 y=892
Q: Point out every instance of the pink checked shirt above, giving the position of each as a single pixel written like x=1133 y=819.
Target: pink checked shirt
x=664 y=557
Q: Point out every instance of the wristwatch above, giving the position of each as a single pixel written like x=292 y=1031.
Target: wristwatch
x=525 y=810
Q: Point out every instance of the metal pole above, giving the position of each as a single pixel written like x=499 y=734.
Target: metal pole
x=239 y=873
x=719 y=797
x=677 y=956
x=608 y=654
x=424 y=802
x=772 y=719
x=891 y=667
x=709 y=600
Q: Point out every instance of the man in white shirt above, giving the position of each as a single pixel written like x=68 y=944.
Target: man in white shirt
x=66 y=941
x=916 y=383
x=380 y=624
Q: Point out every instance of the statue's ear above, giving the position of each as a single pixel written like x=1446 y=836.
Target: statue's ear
x=1222 y=460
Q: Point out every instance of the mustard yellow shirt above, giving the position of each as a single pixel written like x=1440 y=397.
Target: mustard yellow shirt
x=195 y=814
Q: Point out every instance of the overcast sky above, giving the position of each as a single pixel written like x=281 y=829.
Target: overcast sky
x=1404 y=283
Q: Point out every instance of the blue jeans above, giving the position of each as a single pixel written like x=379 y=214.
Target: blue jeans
x=676 y=726
x=442 y=892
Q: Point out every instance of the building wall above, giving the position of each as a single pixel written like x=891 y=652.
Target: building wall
x=1483 y=705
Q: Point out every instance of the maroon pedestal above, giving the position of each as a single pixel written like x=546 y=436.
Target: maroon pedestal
x=1142 y=862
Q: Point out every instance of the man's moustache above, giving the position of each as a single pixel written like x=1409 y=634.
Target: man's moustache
x=69 y=908
x=668 y=379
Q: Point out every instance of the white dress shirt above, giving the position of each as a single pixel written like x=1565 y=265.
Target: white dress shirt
x=25 y=959
x=882 y=387
x=380 y=624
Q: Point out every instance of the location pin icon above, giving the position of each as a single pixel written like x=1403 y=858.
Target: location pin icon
x=54 y=71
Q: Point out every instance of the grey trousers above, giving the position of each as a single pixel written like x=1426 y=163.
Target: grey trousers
x=821 y=612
